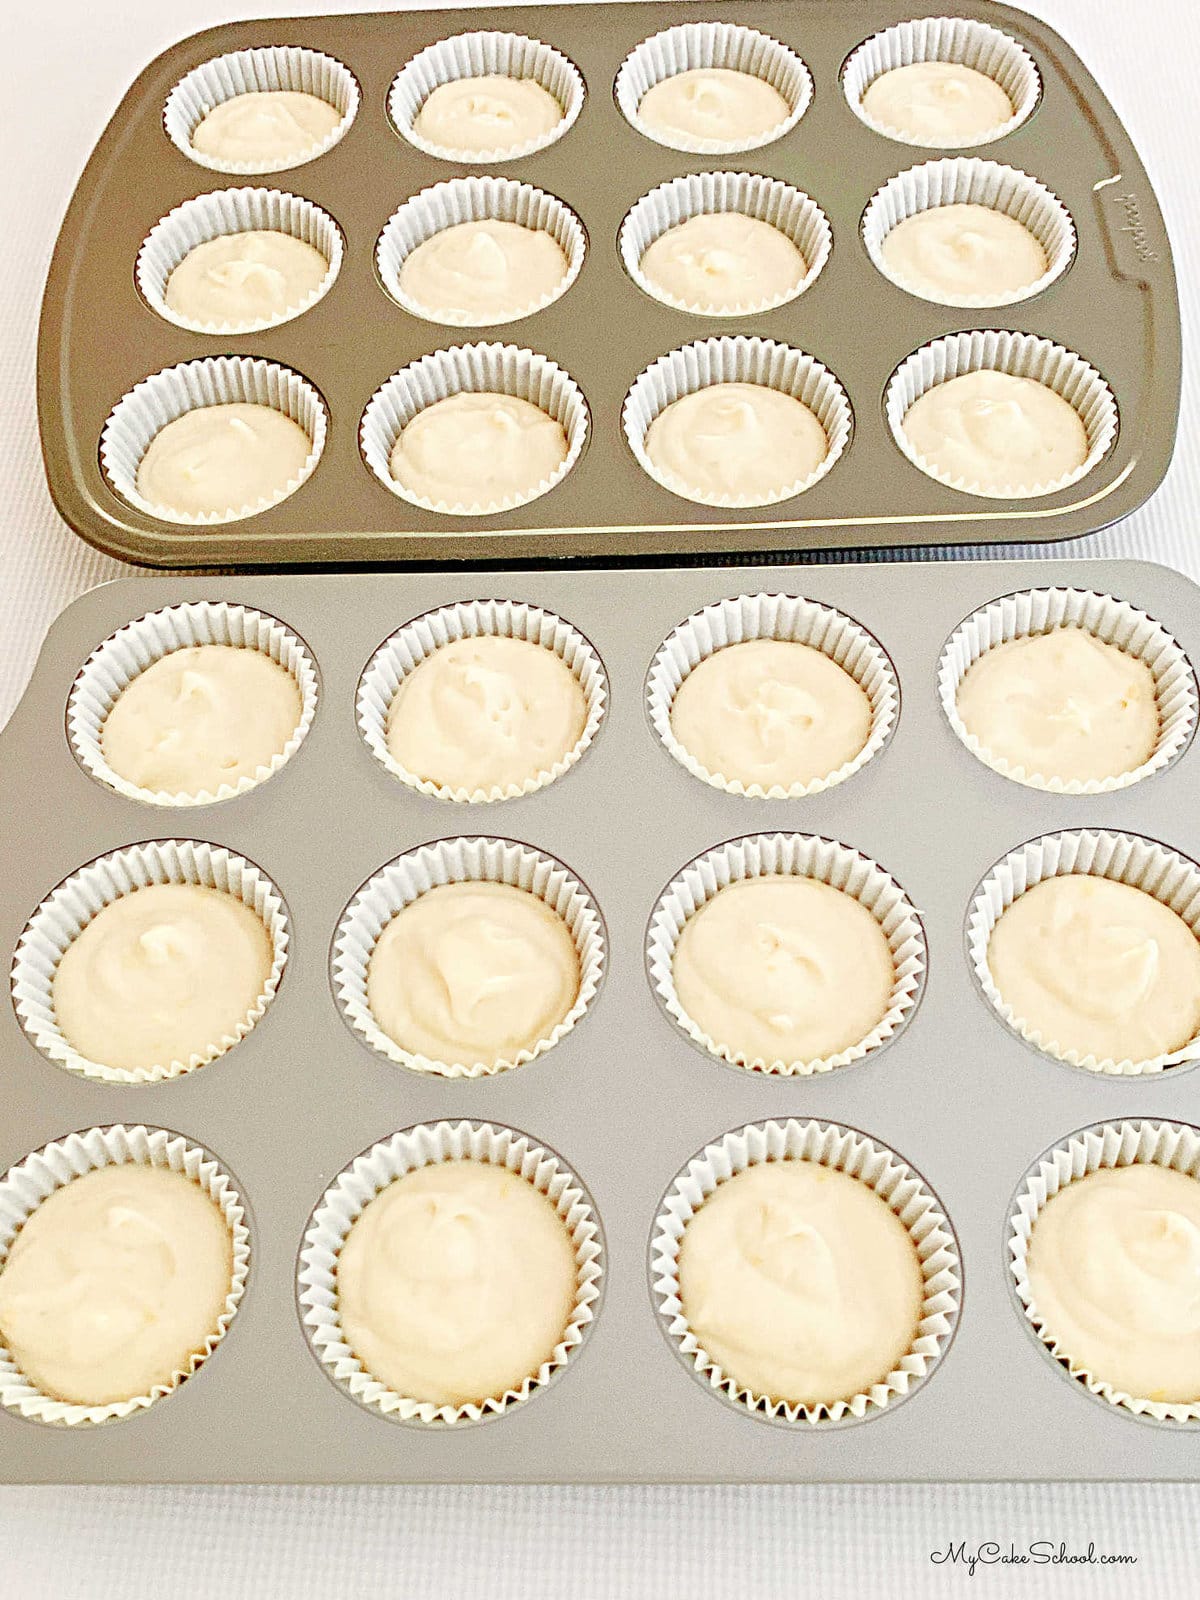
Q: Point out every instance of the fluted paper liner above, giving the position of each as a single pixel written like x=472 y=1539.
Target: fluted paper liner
x=773 y=616
x=421 y=638
x=214 y=381
x=1124 y=858
x=371 y=1173
x=465 y=860
x=218 y=215
x=1108 y=1144
x=124 y=655
x=736 y=359
x=477 y=55
x=968 y=180
x=706 y=193
x=882 y=1170
x=26 y=1185
x=1040 y=611
x=67 y=910
x=963 y=41
x=266 y=70
x=794 y=855
x=1021 y=355
x=695 y=45
x=472 y=369
x=459 y=200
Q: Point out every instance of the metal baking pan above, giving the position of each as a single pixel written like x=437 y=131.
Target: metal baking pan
x=1116 y=305
x=625 y=1099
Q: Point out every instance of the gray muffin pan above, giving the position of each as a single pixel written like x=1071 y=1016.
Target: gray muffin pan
x=1116 y=305
x=625 y=1099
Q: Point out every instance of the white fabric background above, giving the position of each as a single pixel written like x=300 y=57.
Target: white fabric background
x=65 y=65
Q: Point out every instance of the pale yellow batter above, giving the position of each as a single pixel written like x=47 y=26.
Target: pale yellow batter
x=1114 y=1270
x=489 y=115
x=480 y=273
x=163 y=973
x=800 y=1282
x=485 y=713
x=471 y=452
x=1000 y=435
x=114 y=1283
x=713 y=106
x=1062 y=705
x=724 y=262
x=245 y=278
x=738 y=444
x=964 y=251
x=783 y=969
x=938 y=103
x=221 y=458
x=771 y=712
x=1098 y=967
x=272 y=126
x=471 y=974
x=456 y=1283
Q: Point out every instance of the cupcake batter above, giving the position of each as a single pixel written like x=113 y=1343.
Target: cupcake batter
x=724 y=262
x=1098 y=967
x=487 y=116
x=1062 y=705
x=478 y=273
x=1114 y=1270
x=478 y=451
x=277 y=127
x=456 y=1283
x=938 y=103
x=771 y=712
x=164 y=973
x=471 y=974
x=115 y=1283
x=713 y=107
x=998 y=435
x=201 y=717
x=245 y=278
x=800 y=1282
x=958 y=252
x=485 y=713
x=223 y=458
x=736 y=444
x=784 y=970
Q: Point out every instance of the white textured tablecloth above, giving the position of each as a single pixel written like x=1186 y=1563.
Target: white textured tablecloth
x=66 y=64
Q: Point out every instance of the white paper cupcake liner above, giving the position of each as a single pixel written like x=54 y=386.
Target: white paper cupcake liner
x=473 y=860
x=773 y=616
x=964 y=42
x=25 y=1186
x=214 y=381
x=969 y=180
x=477 y=55
x=695 y=45
x=1109 y=1144
x=796 y=855
x=1021 y=355
x=843 y=1150
x=419 y=639
x=359 y=1183
x=67 y=910
x=459 y=200
x=113 y=665
x=472 y=369
x=736 y=359
x=232 y=211
x=267 y=70
x=1116 y=622
x=1123 y=858
x=702 y=194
